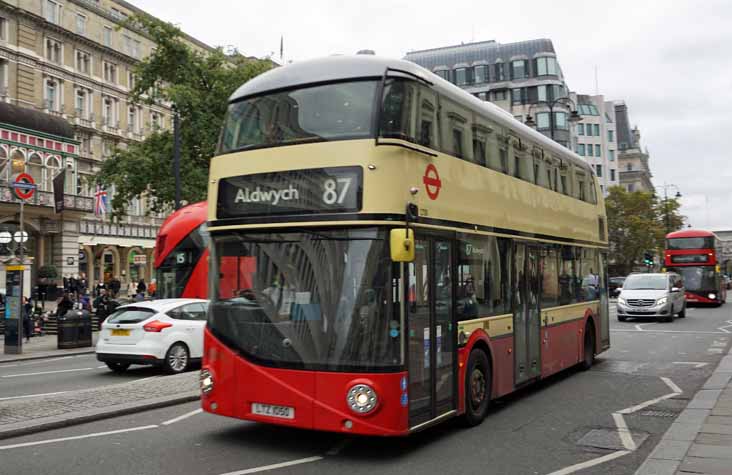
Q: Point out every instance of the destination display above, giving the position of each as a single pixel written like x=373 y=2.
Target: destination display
x=318 y=190
x=689 y=258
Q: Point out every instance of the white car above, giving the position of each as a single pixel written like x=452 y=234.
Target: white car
x=166 y=333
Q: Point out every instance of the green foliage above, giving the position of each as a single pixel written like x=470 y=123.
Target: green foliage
x=197 y=84
x=637 y=223
x=47 y=272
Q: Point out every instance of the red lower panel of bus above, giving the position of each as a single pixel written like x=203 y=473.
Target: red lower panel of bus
x=305 y=399
x=561 y=346
x=697 y=298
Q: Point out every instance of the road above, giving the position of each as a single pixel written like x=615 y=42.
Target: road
x=544 y=429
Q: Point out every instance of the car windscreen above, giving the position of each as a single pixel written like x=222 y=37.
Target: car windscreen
x=645 y=282
x=131 y=315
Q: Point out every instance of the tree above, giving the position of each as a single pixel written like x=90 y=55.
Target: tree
x=197 y=84
x=636 y=225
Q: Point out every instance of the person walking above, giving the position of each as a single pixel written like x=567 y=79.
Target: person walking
x=27 y=310
x=152 y=288
x=64 y=305
x=141 y=287
x=131 y=289
x=114 y=286
x=102 y=305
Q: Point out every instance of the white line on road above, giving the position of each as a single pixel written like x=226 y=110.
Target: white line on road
x=638 y=328
x=590 y=463
x=184 y=416
x=45 y=372
x=102 y=366
x=625 y=436
x=695 y=364
x=672 y=385
x=668 y=331
x=76 y=437
x=31 y=395
x=275 y=466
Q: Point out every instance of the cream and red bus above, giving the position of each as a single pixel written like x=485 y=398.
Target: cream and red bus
x=388 y=252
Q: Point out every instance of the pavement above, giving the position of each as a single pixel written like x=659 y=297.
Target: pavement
x=43 y=347
x=700 y=440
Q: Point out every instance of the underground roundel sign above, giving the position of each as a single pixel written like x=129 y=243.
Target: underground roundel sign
x=24 y=186
x=431 y=180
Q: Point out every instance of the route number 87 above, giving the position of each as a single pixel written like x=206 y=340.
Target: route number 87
x=335 y=190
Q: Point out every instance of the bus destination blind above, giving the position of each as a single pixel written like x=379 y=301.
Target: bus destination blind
x=311 y=191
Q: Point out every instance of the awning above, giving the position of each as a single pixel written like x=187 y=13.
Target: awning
x=88 y=240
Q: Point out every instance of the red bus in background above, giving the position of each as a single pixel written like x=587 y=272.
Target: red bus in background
x=694 y=255
x=181 y=254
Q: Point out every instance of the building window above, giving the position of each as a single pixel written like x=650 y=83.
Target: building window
x=52 y=95
x=581 y=149
x=444 y=74
x=83 y=62
x=132 y=119
x=131 y=80
x=597 y=151
x=589 y=150
x=53 y=50
x=611 y=155
x=483 y=96
x=155 y=120
x=52 y=11
x=541 y=93
x=110 y=72
x=629 y=167
x=596 y=129
x=109 y=111
x=3 y=29
x=519 y=69
x=481 y=74
x=461 y=77
x=80 y=24
x=598 y=170
x=500 y=72
x=611 y=136
x=612 y=174
x=499 y=95
x=560 y=120
x=81 y=103
x=542 y=120
x=631 y=187
x=580 y=129
x=132 y=46
x=546 y=66
x=108 y=36
x=516 y=96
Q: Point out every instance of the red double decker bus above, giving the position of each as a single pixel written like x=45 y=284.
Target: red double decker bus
x=181 y=254
x=694 y=255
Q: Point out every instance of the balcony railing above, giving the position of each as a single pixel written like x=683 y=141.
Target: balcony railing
x=145 y=231
x=45 y=198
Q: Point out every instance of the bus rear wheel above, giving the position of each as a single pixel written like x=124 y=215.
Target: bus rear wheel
x=589 y=348
x=477 y=388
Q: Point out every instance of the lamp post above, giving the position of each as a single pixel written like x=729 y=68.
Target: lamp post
x=565 y=101
x=666 y=212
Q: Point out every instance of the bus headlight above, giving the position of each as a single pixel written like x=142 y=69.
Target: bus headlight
x=362 y=399
x=205 y=381
x=712 y=296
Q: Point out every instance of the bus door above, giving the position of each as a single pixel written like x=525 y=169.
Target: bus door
x=431 y=338
x=526 y=314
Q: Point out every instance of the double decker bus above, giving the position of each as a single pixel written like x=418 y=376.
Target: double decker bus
x=181 y=254
x=694 y=255
x=388 y=251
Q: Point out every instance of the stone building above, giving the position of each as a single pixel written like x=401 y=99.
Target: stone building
x=635 y=173
x=66 y=71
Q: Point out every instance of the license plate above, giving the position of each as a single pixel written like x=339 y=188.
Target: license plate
x=119 y=332
x=283 y=412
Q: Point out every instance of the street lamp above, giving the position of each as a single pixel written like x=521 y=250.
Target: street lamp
x=565 y=101
x=666 y=212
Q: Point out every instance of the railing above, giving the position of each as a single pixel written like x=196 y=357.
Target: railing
x=45 y=198
x=146 y=231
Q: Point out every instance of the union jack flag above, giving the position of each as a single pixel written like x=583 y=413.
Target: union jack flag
x=101 y=201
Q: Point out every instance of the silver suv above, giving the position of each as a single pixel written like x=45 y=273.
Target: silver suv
x=658 y=296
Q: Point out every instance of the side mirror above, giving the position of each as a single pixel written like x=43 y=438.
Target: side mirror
x=401 y=242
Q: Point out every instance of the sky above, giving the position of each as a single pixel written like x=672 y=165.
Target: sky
x=669 y=60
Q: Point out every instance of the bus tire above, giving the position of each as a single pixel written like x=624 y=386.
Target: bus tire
x=588 y=352
x=478 y=379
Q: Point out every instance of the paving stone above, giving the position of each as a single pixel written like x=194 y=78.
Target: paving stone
x=670 y=449
x=657 y=467
x=705 y=466
x=693 y=416
x=682 y=432
x=725 y=366
x=711 y=451
x=718 y=381
x=721 y=411
x=714 y=419
x=724 y=440
x=716 y=429
x=705 y=399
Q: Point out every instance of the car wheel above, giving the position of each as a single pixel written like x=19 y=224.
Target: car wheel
x=622 y=319
x=589 y=348
x=118 y=367
x=176 y=359
x=682 y=313
x=477 y=388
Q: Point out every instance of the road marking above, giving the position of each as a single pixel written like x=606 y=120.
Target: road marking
x=676 y=391
x=102 y=366
x=669 y=331
x=184 y=416
x=625 y=436
x=45 y=372
x=696 y=364
x=672 y=385
x=31 y=395
x=591 y=463
x=275 y=466
x=638 y=328
x=76 y=437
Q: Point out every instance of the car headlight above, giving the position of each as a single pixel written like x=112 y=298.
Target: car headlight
x=621 y=300
x=662 y=301
x=712 y=296
x=362 y=399
x=205 y=381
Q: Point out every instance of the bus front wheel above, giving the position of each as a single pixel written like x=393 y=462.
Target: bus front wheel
x=477 y=388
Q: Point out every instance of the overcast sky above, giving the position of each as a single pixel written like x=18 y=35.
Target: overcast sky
x=669 y=60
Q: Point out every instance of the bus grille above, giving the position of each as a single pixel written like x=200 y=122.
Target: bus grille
x=641 y=302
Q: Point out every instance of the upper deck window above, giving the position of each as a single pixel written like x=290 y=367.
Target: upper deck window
x=310 y=114
x=690 y=243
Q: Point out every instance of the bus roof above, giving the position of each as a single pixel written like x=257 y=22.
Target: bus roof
x=176 y=227
x=345 y=67
x=688 y=233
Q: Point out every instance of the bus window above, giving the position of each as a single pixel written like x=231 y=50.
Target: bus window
x=484 y=284
x=550 y=279
x=568 y=277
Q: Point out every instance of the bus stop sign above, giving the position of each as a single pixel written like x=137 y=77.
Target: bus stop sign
x=24 y=186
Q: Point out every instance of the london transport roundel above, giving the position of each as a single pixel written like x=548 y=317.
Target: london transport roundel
x=431 y=180
x=24 y=186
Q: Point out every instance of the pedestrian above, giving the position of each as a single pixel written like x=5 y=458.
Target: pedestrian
x=100 y=286
x=131 y=289
x=27 y=310
x=141 y=287
x=64 y=305
x=114 y=286
x=102 y=306
x=152 y=288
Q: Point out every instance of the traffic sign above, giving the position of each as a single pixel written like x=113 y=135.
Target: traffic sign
x=431 y=180
x=24 y=186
